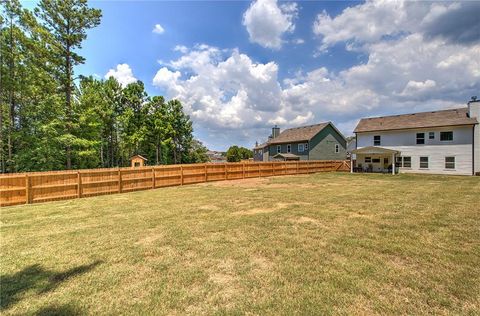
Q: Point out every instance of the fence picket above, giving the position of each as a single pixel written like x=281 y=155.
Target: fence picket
x=26 y=188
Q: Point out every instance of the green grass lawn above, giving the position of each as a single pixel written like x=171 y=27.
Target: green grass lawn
x=328 y=243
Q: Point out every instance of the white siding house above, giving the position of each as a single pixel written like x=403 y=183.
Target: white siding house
x=440 y=142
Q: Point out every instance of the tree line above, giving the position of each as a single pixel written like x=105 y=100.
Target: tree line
x=237 y=154
x=51 y=119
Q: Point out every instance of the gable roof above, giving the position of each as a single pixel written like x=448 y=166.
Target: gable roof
x=416 y=120
x=286 y=156
x=138 y=156
x=260 y=146
x=298 y=134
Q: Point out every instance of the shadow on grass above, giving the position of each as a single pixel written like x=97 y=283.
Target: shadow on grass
x=62 y=310
x=36 y=278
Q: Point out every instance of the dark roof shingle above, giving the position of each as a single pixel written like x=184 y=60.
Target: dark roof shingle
x=298 y=134
x=416 y=120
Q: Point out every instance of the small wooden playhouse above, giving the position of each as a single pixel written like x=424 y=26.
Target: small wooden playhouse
x=138 y=161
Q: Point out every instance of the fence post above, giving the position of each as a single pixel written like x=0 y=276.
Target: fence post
x=205 y=172
x=226 y=172
x=28 y=194
x=243 y=170
x=119 y=180
x=259 y=170
x=79 y=184
x=153 y=177
x=181 y=175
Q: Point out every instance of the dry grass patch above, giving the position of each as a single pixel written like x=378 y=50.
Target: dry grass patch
x=309 y=244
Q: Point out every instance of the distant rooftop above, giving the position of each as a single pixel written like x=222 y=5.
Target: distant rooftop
x=298 y=134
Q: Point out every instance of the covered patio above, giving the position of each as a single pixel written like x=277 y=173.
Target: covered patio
x=286 y=157
x=374 y=159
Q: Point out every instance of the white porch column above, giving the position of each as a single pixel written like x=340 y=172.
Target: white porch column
x=393 y=163
x=351 y=163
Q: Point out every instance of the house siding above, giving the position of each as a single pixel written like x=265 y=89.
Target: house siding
x=405 y=142
x=476 y=145
x=474 y=112
x=294 y=150
x=322 y=145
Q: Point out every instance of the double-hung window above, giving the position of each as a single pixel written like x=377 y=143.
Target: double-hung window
x=368 y=159
x=446 y=136
x=289 y=148
x=301 y=148
x=405 y=162
x=398 y=161
x=337 y=148
x=279 y=149
x=431 y=135
x=420 y=138
x=306 y=146
x=449 y=162
x=423 y=162
x=377 y=140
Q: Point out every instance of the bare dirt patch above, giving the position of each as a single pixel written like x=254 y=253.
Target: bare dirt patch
x=150 y=238
x=277 y=207
x=242 y=183
x=261 y=263
x=209 y=207
x=291 y=185
x=360 y=214
x=304 y=219
x=263 y=210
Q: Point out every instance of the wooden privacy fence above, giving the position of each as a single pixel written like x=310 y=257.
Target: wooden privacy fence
x=33 y=187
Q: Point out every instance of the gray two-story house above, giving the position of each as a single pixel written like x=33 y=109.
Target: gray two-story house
x=314 y=142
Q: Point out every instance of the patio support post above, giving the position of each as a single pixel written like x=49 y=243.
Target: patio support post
x=351 y=163
x=393 y=163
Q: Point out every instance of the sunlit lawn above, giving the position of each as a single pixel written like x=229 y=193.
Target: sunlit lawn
x=329 y=243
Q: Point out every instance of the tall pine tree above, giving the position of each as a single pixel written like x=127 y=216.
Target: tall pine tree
x=68 y=22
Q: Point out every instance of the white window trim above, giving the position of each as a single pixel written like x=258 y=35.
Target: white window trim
x=289 y=148
x=454 y=163
x=301 y=147
x=416 y=138
x=420 y=163
x=306 y=146
x=279 y=149
x=445 y=141
x=380 y=140
x=402 y=160
x=337 y=148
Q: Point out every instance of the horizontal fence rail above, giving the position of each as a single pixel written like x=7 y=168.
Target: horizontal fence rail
x=35 y=187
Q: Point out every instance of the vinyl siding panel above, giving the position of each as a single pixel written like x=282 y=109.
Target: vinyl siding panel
x=283 y=147
x=477 y=148
x=322 y=145
x=436 y=150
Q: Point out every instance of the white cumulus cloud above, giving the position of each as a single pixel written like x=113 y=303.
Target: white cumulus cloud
x=415 y=63
x=266 y=22
x=123 y=73
x=158 y=29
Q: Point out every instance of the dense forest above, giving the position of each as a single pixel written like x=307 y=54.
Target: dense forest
x=53 y=119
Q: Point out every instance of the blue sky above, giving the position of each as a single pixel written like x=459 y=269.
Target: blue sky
x=239 y=67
